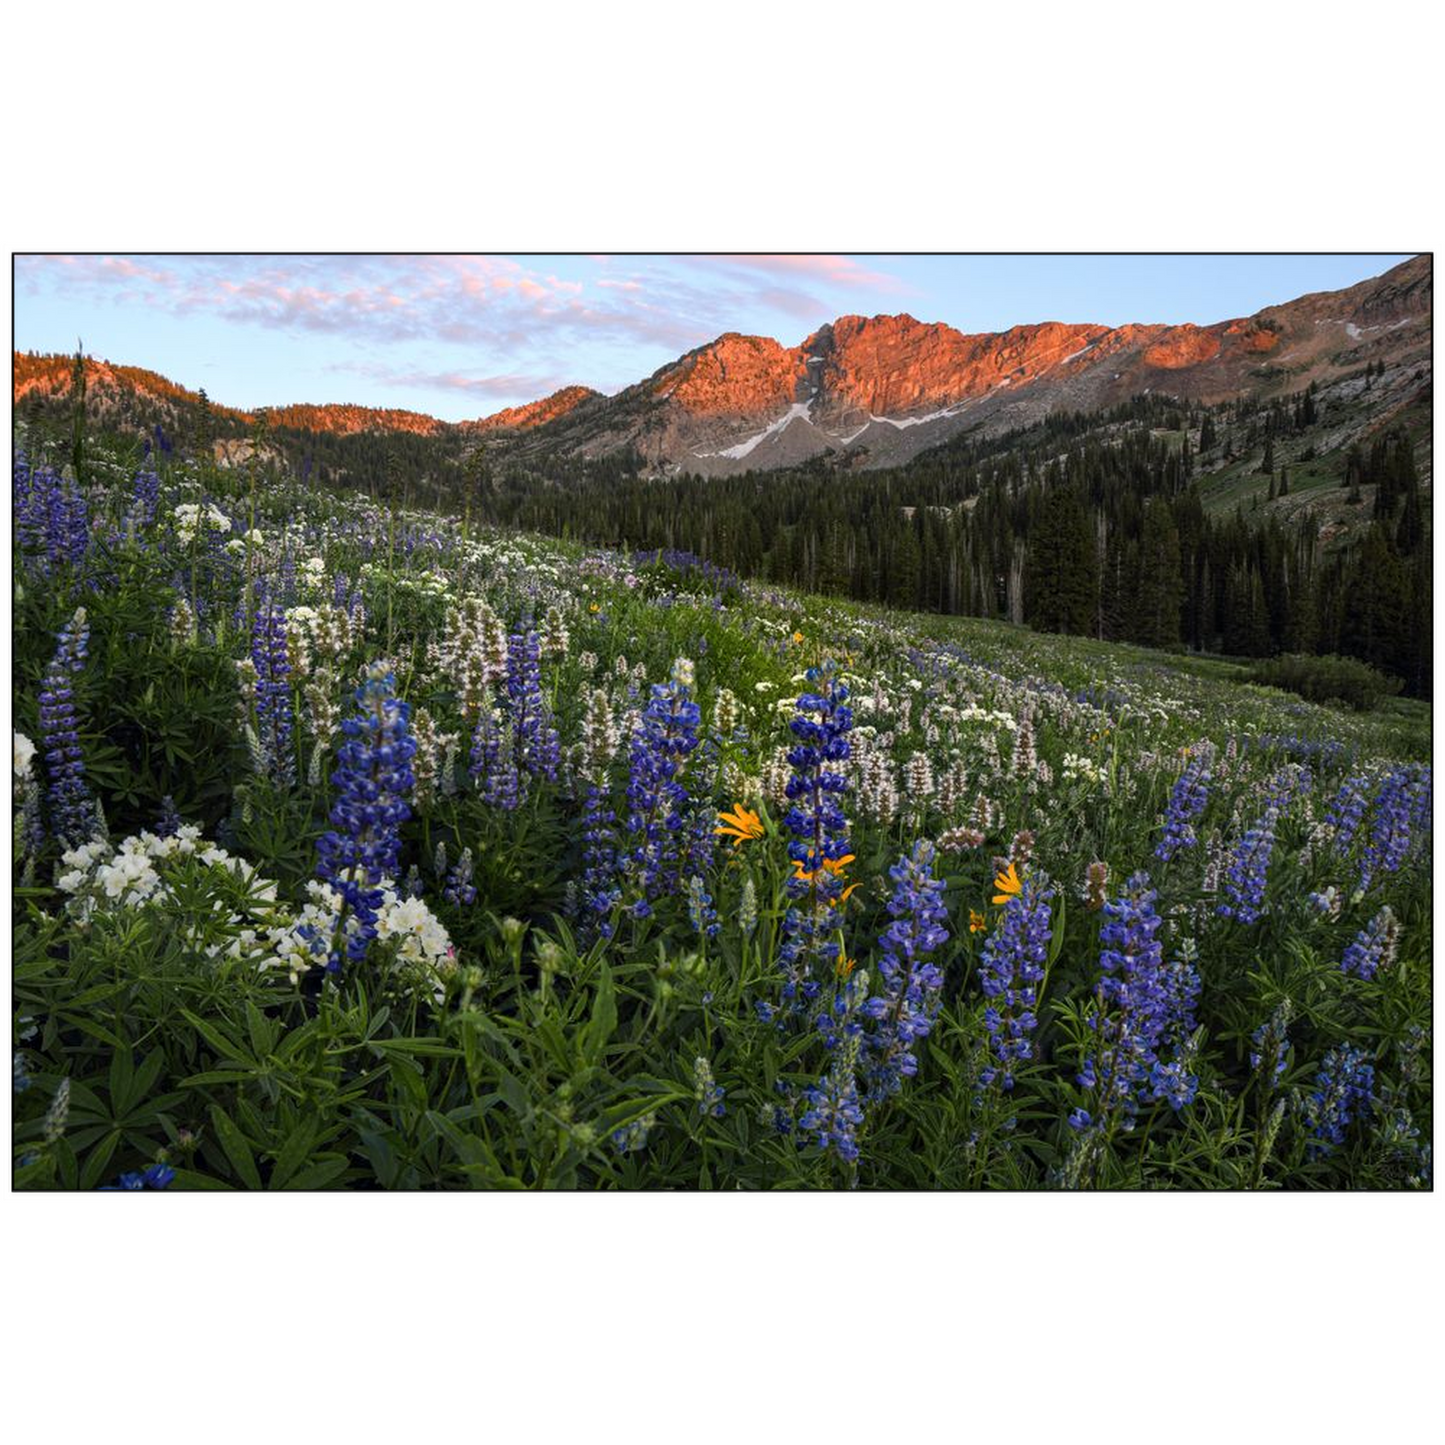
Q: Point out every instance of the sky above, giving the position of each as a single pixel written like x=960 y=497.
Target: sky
x=461 y=336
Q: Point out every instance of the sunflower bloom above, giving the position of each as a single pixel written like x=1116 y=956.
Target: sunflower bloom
x=742 y=825
x=977 y=923
x=1009 y=885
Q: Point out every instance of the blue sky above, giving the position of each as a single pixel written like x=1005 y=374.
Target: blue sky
x=463 y=336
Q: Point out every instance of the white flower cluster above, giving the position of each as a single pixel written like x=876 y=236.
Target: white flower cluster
x=190 y=518
x=99 y=875
x=1081 y=769
x=242 y=917
x=24 y=755
x=974 y=713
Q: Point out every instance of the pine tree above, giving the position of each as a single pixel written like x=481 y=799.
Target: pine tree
x=1061 y=583
x=1160 y=583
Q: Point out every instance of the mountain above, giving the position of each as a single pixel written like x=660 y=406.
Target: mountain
x=869 y=391
x=128 y=393
x=878 y=390
x=534 y=413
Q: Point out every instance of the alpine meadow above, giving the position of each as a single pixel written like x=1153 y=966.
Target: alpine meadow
x=906 y=759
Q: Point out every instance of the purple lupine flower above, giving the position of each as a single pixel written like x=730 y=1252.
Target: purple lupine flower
x=834 y=1111
x=494 y=763
x=1247 y=871
x=158 y=1176
x=273 y=693
x=1187 y=801
x=809 y=950
x=67 y=523
x=31 y=497
x=700 y=912
x=1343 y=1090
x=458 y=888
x=146 y=492
x=1145 y=1010
x=1346 y=810
x=1374 y=947
x=72 y=812
x=169 y=823
x=658 y=802
x=905 y=1010
x=373 y=781
x=533 y=733
x=1390 y=830
x=600 y=891
x=1010 y=970
x=1271 y=1052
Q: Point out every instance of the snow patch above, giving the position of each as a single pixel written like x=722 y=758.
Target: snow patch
x=799 y=409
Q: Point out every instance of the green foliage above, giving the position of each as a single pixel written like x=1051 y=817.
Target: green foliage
x=1329 y=680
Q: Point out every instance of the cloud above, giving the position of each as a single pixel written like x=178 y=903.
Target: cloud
x=490 y=303
x=507 y=387
x=841 y=271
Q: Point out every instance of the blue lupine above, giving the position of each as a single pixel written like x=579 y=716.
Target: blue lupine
x=373 y=781
x=1374 y=946
x=273 y=693
x=834 y=1111
x=1271 y=1053
x=1292 y=781
x=533 y=733
x=1187 y=800
x=158 y=1176
x=708 y=1093
x=67 y=523
x=659 y=804
x=700 y=912
x=494 y=762
x=1346 y=810
x=169 y=822
x=146 y=490
x=1247 y=872
x=600 y=891
x=819 y=845
x=1343 y=1090
x=31 y=496
x=905 y=1010
x=22 y=1073
x=458 y=889
x=1010 y=970
x=1390 y=826
x=1146 y=1008
x=72 y=813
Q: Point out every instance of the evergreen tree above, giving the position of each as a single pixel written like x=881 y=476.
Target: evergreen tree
x=1061 y=582
x=1161 y=587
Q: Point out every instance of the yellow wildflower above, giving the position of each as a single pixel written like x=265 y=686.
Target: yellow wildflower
x=1008 y=883
x=741 y=825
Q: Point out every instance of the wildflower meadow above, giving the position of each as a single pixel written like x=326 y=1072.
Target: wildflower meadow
x=355 y=847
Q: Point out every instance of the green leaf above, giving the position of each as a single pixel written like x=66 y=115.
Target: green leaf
x=227 y=1048
x=604 y=1017
x=238 y=1151
x=319 y=1175
x=294 y=1151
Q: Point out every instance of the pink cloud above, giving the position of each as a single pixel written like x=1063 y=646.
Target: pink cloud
x=836 y=270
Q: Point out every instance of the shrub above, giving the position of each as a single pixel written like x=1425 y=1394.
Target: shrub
x=1338 y=681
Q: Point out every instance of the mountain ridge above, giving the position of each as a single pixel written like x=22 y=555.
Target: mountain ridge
x=875 y=391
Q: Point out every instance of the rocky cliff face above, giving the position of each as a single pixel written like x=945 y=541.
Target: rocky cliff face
x=877 y=390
